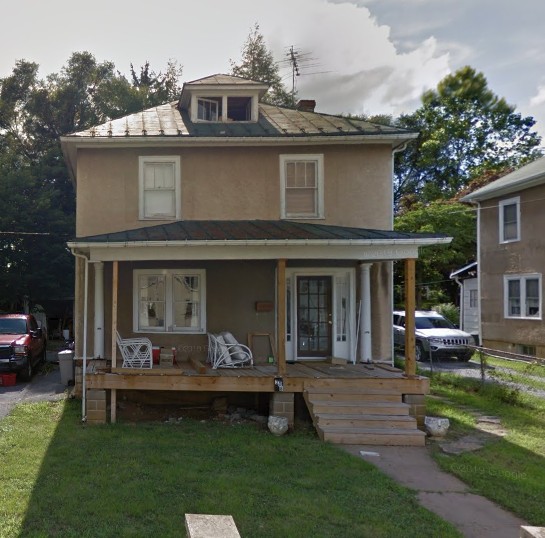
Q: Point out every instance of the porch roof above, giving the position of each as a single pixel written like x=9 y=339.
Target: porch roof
x=260 y=239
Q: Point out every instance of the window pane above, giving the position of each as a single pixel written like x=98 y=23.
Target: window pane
x=532 y=297
x=472 y=298
x=186 y=303
x=301 y=201
x=510 y=231
x=513 y=295
x=151 y=310
x=159 y=203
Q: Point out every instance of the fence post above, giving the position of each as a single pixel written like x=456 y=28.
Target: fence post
x=482 y=361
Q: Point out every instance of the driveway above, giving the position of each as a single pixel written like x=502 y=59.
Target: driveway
x=45 y=385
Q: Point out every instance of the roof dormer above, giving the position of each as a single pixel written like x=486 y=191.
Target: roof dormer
x=222 y=98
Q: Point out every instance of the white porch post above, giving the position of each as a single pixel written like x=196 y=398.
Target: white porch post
x=365 y=313
x=99 y=310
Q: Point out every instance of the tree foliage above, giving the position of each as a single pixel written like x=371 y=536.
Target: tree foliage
x=465 y=129
x=36 y=191
x=257 y=63
x=436 y=262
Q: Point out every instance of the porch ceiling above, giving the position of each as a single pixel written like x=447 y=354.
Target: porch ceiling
x=256 y=239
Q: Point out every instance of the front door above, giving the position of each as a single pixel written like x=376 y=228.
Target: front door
x=314 y=316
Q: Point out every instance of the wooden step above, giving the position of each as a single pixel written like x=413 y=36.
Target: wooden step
x=354 y=394
x=365 y=421
x=353 y=407
x=372 y=436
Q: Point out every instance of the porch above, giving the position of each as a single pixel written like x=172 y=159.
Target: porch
x=348 y=403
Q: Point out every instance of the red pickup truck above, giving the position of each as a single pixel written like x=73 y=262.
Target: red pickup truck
x=22 y=344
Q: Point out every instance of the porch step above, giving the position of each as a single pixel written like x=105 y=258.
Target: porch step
x=401 y=422
x=350 y=394
x=362 y=416
x=373 y=436
x=360 y=407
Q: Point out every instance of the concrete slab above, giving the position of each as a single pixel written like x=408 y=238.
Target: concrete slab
x=440 y=492
x=210 y=526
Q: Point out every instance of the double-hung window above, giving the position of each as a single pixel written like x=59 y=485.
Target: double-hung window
x=302 y=186
x=509 y=220
x=159 y=188
x=169 y=300
x=522 y=296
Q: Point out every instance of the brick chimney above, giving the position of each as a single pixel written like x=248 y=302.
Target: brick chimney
x=306 y=105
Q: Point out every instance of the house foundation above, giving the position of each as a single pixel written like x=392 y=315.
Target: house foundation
x=282 y=404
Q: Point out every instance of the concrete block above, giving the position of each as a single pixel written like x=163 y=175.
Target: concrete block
x=210 y=526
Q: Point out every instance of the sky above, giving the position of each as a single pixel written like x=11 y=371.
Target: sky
x=355 y=56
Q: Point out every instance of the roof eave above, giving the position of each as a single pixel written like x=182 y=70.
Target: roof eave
x=511 y=188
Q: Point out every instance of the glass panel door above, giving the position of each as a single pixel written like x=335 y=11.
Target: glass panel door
x=314 y=319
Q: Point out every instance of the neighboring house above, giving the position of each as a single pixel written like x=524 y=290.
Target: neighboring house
x=221 y=212
x=511 y=260
x=466 y=278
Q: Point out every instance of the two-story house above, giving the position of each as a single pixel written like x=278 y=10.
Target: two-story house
x=222 y=212
x=511 y=260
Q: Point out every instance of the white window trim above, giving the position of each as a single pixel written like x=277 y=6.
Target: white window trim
x=205 y=96
x=522 y=278
x=501 y=205
x=169 y=315
x=319 y=159
x=142 y=161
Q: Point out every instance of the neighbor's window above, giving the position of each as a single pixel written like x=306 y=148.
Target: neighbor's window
x=169 y=300
x=302 y=186
x=473 y=298
x=509 y=220
x=522 y=296
x=159 y=188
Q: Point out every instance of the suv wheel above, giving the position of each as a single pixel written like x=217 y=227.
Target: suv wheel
x=26 y=374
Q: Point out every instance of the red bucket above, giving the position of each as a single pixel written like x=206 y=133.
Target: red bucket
x=156 y=353
x=8 y=380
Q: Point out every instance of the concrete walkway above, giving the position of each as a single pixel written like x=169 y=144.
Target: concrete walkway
x=442 y=493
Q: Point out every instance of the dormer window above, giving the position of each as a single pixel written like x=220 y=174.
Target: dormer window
x=208 y=109
x=211 y=108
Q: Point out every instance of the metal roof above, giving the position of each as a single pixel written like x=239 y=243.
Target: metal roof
x=528 y=176
x=252 y=230
x=274 y=121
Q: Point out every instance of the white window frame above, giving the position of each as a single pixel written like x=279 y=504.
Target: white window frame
x=319 y=160
x=209 y=101
x=510 y=201
x=522 y=278
x=169 y=301
x=142 y=162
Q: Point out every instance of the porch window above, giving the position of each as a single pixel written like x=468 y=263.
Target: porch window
x=342 y=306
x=302 y=186
x=522 y=296
x=169 y=301
x=159 y=188
x=509 y=220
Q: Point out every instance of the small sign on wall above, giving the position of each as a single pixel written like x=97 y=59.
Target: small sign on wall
x=264 y=306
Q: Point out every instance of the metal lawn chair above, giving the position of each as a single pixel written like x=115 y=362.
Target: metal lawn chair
x=225 y=352
x=136 y=352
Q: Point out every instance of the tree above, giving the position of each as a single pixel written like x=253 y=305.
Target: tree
x=465 y=130
x=257 y=63
x=39 y=204
x=437 y=262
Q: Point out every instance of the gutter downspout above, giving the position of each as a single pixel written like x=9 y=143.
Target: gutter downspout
x=84 y=374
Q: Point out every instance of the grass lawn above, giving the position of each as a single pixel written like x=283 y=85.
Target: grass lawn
x=61 y=478
x=509 y=470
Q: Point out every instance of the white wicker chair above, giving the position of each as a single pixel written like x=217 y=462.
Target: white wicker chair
x=225 y=352
x=136 y=352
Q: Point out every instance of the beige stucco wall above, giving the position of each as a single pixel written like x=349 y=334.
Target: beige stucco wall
x=234 y=183
x=499 y=259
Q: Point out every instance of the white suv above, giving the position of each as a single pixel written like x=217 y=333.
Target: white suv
x=434 y=333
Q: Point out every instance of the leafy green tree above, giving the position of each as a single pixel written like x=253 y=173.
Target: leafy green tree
x=257 y=63
x=437 y=262
x=465 y=130
x=35 y=187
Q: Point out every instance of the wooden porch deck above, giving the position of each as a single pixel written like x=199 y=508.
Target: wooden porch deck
x=259 y=378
